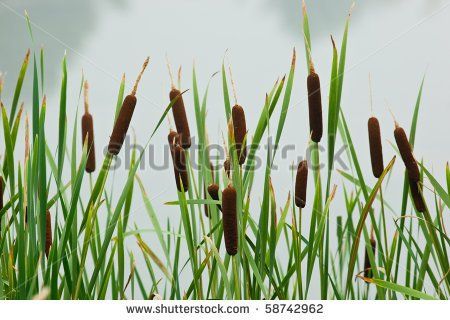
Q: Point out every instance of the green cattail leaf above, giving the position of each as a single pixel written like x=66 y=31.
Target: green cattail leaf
x=17 y=91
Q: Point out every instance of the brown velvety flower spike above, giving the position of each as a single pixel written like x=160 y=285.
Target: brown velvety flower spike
x=301 y=183
x=376 y=148
x=229 y=220
x=124 y=118
x=315 y=106
x=240 y=131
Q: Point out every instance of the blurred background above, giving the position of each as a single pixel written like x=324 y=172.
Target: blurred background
x=397 y=42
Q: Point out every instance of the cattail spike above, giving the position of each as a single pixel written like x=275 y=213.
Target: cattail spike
x=301 y=184
x=315 y=105
x=406 y=153
x=376 y=148
x=240 y=132
x=229 y=220
x=133 y=93
x=367 y=265
x=416 y=195
x=179 y=115
x=48 y=233
x=213 y=191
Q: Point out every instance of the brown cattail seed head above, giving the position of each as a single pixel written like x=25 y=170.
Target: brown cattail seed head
x=181 y=174
x=87 y=130
x=367 y=266
x=213 y=191
x=122 y=124
x=315 y=106
x=227 y=167
x=48 y=233
x=417 y=196
x=301 y=183
x=240 y=130
x=179 y=114
x=229 y=220
x=406 y=152
x=376 y=148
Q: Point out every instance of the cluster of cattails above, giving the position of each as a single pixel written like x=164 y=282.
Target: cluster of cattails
x=48 y=233
x=315 y=105
x=412 y=168
x=301 y=184
x=87 y=131
x=367 y=265
x=179 y=161
x=229 y=220
x=124 y=118
x=240 y=132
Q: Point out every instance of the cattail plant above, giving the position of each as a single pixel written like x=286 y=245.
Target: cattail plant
x=240 y=131
x=124 y=118
x=301 y=183
x=406 y=153
x=416 y=196
x=87 y=131
x=376 y=148
x=367 y=265
x=213 y=191
x=229 y=220
x=315 y=105
x=48 y=233
x=179 y=161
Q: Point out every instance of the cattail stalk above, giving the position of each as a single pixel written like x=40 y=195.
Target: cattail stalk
x=240 y=131
x=124 y=118
x=87 y=131
x=406 y=153
x=416 y=196
x=48 y=233
x=229 y=220
x=315 y=105
x=301 y=184
x=179 y=115
x=376 y=148
x=367 y=265
x=2 y=190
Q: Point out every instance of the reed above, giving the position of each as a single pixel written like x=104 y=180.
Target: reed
x=315 y=105
x=124 y=118
x=179 y=115
x=240 y=131
x=376 y=148
x=416 y=195
x=406 y=153
x=87 y=131
x=48 y=233
x=229 y=220
x=301 y=184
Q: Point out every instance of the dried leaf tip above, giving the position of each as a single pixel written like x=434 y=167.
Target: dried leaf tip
x=133 y=93
x=304 y=7
x=27 y=56
x=294 y=57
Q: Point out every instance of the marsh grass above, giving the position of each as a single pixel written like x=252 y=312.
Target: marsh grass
x=88 y=257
